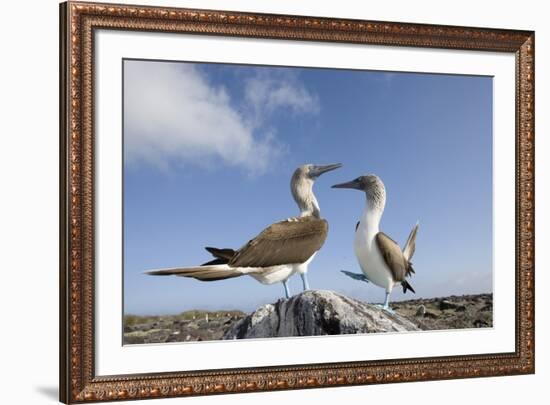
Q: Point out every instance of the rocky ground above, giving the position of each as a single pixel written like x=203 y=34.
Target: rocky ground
x=311 y=313
x=454 y=312
x=185 y=327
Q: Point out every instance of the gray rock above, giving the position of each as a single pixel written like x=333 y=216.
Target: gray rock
x=317 y=312
x=421 y=311
x=430 y=315
x=137 y=328
x=445 y=304
x=479 y=323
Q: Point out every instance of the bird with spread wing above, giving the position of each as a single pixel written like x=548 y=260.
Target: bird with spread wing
x=381 y=259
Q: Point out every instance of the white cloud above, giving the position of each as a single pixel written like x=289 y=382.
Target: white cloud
x=265 y=93
x=174 y=115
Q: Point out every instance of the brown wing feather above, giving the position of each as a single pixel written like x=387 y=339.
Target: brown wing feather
x=410 y=245
x=292 y=241
x=393 y=256
x=203 y=273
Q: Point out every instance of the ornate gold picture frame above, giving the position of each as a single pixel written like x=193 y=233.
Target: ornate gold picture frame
x=79 y=381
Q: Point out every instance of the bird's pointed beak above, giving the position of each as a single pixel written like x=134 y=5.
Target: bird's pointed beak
x=317 y=170
x=354 y=184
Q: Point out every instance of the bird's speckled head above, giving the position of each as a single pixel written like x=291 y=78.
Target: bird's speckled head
x=301 y=186
x=311 y=171
x=373 y=187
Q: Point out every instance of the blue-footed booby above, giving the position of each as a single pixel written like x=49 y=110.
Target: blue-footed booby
x=280 y=250
x=381 y=259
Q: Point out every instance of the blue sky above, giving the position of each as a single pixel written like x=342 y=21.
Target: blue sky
x=209 y=150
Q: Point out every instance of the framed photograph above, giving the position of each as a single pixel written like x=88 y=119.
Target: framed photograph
x=255 y=202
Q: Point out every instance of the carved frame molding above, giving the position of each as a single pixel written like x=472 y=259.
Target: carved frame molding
x=78 y=382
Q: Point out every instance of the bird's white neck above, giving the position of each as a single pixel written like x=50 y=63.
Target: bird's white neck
x=312 y=210
x=302 y=191
x=371 y=216
x=370 y=219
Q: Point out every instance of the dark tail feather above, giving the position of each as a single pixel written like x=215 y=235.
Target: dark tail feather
x=215 y=261
x=406 y=286
x=226 y=254
x=410 y=270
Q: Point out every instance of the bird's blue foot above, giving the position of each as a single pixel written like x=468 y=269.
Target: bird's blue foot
x=304 y=281
x=287 y=289
x=386 y=305
x=385 y=308
x=356 y=276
